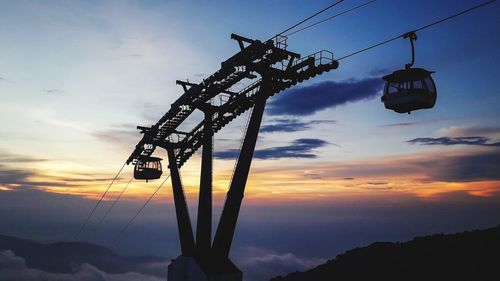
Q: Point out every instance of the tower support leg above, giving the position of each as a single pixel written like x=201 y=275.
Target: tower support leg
x=227 y=224
x=204 y=221
x=181 y=209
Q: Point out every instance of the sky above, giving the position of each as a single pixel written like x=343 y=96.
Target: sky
x=333 y=169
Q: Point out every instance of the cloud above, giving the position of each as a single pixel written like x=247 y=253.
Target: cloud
x=54 y=91
x=14 y=268
x=300 y=148
x=376 y=183
x=291 y=125
x=135 y=56
x=124 y=135
x=14 y=178
x=481 y=141
x=3 y=79
x=7 y=157
x=477 y=166
x=307 y=100
x=483 y=165
x=402 y=124
x=475 y=171
x=379 y=72
x=10 y=176
x=470 y=131
x=262 y=264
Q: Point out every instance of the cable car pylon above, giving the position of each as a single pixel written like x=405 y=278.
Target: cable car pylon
x=266 y=68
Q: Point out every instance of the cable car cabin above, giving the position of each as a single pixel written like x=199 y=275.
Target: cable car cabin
x=409 y=89
x=148 y=168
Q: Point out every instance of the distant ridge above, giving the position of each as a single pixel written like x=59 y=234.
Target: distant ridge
x=470 y=255
x=62 y=257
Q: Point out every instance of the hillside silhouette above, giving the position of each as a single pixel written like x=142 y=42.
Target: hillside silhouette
x=470 y=255
x=62 y=257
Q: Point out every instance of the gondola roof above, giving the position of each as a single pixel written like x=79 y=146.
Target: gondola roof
x=149 y=158
x=407 y=75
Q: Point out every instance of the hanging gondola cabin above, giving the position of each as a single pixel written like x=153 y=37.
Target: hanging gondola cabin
x=409 y=89
x=148 y=168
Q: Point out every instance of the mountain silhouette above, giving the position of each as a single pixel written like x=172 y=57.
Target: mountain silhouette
x=470 y=255
x=63 y=257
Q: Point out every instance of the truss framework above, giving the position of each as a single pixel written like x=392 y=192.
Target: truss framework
x=270 y=68
x=284 y=68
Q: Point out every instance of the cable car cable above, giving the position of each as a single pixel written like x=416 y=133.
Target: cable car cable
x=310 y=17
x=330 y=18
x=112 y=205
x=119 y=235
x=418 y=29
x=98 y=203
x=245 y=128
x=116 y=239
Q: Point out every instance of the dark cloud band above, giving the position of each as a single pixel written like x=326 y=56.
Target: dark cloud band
x=310 y=99
x=481 y=141
x=300 y=148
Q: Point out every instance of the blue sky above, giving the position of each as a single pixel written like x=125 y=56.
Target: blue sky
x=76 y=77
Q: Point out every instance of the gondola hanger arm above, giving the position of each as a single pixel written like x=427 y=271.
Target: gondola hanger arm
x=413 y=37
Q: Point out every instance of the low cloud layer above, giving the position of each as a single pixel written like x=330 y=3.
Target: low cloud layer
x=14 y=268
x=263 y=264
x=300 y=148
x=307 y=100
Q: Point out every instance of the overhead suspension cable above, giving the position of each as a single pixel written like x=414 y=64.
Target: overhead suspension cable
x=312 y=16
x=329 y=18
x=242 y=140
x=98 y=202
x=418 y=29
x=119 y=235
x=112 y=205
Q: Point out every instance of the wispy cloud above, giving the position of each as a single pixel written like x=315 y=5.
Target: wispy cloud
x=455 y=131
x=7 y=157
x=478 y=141
x=300 y=148
x=291 y=125
x=54 y=91
x=151 y=111
x=23 y=178
x=402 y=124
x=12 y=176
x=307 y=100
x=135 y=56
x=475 y=172
x=379 y=72
x=122 y=134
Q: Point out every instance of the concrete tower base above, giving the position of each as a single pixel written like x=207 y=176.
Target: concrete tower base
x=187 y=269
